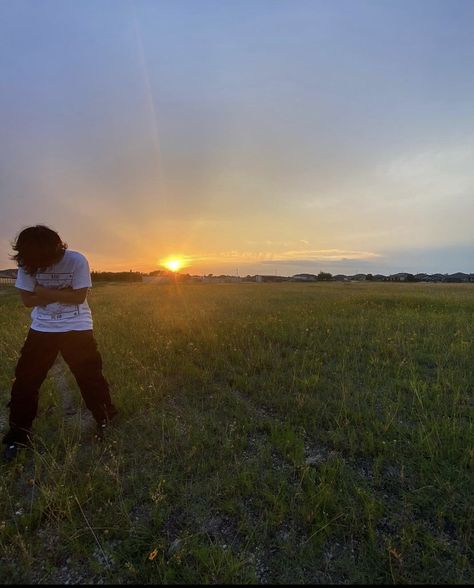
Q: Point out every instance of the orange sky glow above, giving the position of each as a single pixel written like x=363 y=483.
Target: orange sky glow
x=246 y=137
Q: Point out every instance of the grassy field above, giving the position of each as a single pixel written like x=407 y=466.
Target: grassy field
x=269 y=433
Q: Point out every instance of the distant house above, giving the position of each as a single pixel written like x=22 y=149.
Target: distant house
x=260 y=278
x=436 y=278
x=304 y=278
x=458 y=277
x=401 y=277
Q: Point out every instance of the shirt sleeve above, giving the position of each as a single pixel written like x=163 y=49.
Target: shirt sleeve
x=82 y=276
x=25 y=281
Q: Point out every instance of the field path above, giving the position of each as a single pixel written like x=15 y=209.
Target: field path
x=58 y=373
x=73 y=414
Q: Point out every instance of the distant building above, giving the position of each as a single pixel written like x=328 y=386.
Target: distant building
x=458 y=277
x=437 y=278
x=261 y=278
x=304 y=278
x=401 y=277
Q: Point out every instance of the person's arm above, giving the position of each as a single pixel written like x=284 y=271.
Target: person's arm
x=31 y=299
x=65 y=295
x=25 y=283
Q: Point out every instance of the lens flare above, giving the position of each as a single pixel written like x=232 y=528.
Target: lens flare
x=173 y=265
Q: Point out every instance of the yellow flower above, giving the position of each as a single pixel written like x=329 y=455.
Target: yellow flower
x=153 y=554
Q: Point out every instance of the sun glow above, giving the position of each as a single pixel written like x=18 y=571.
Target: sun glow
x=173 y=264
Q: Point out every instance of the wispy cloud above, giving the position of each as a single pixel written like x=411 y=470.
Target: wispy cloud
x=432 y=173
x=300 y=255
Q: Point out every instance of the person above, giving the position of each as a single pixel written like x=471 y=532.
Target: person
x=54 y=281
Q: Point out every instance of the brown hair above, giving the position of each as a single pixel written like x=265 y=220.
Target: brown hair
x=37 y=248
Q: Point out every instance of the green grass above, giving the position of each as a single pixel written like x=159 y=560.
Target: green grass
x=299 y=433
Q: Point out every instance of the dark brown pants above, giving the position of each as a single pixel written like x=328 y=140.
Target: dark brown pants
x=79 y=350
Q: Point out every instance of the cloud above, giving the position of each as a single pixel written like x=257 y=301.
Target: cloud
x=328 y=255
x=293 y=256
x=432 y=173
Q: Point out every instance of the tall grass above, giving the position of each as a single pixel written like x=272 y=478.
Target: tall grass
x=268 y=433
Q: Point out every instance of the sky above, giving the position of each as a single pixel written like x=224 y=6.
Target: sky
x=243 y=136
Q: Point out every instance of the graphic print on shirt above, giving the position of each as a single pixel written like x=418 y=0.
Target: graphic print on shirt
x=56 y=310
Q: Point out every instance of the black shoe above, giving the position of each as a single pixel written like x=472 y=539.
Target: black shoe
x=102 y=426
x=10 y=452
x=20 y=437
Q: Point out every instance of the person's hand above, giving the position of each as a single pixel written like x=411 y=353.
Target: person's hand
x=46 y=294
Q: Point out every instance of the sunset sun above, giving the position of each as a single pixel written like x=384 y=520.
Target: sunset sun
x=173 y=264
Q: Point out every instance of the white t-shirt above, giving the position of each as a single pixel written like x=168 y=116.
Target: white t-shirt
x=71 y=272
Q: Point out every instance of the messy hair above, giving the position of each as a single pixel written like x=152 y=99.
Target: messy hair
x=37 y=248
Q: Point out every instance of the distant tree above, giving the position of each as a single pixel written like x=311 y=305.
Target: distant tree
x=324 y=276
x=369 y=277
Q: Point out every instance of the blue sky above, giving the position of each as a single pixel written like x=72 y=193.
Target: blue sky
x=268 y=136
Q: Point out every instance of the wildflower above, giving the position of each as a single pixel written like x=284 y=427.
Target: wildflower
x=395 y=553
x=153 y=555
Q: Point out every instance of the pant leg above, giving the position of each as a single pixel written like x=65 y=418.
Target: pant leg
x=79 y=349
x=37 y=356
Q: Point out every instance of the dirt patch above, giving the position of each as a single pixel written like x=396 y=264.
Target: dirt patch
x=75 y=415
